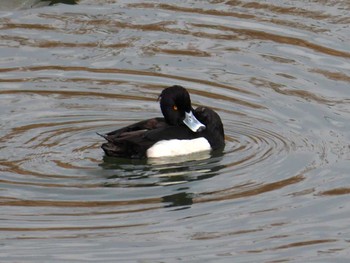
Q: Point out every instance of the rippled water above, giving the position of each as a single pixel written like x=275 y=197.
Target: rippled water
x=277 y=72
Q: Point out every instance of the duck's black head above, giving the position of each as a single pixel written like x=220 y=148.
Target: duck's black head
x=175 y=104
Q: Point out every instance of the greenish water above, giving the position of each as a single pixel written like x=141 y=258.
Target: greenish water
x=277 y=72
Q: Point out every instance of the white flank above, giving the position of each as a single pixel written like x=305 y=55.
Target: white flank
x=168 y=148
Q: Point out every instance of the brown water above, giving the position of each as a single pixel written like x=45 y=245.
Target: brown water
x=277 y=72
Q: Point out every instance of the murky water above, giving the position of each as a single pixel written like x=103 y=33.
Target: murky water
x=278 y=74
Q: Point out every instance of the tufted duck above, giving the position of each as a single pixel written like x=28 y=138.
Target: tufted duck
x=183 y=130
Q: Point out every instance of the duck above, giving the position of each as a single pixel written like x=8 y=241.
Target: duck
x=182 y=130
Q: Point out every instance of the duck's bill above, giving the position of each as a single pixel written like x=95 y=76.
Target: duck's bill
x=191 y=122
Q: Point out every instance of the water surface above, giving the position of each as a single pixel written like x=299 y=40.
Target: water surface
x=276 y=72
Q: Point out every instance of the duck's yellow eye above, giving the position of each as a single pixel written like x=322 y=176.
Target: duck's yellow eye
x=174 y=107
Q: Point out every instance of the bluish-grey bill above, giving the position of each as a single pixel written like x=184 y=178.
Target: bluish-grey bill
x=192 y=123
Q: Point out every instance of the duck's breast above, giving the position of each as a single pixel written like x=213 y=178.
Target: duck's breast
x=175 y=147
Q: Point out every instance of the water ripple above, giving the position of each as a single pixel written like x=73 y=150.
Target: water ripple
x=276 y=73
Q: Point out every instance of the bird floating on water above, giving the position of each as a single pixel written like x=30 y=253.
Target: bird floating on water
x=181 y=131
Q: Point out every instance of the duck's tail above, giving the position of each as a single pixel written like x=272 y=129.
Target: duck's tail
x=104 y=136
x=111 y=148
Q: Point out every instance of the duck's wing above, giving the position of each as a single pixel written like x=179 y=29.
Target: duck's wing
x=145 y=125
x=130 y=141
x=170 y=133
x=134 y=144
